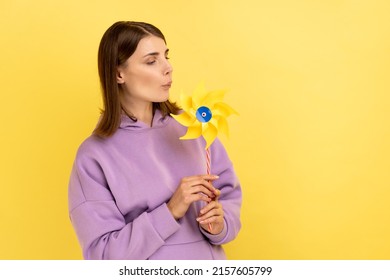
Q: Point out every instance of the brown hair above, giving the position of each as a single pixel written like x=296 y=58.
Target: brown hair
x=116 y=46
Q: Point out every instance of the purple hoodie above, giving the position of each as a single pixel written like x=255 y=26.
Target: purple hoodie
x=119 y=188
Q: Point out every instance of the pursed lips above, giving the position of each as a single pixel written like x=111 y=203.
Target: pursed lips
x=167 y=85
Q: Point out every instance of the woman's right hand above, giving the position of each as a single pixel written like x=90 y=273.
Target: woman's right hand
x=191 y=189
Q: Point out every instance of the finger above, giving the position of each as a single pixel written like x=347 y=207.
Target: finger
x=196 y=197
x=217 y=193
x=210 y=177
x=212 y=205
x=201 y=197
x=192 y=181
x=207 y=177
x=204 y=190
x=212 y=212
x=206 y=183
x=210 y=217
x=199 y=185
x=210 y=220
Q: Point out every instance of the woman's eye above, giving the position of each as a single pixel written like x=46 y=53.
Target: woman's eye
x=150 y=62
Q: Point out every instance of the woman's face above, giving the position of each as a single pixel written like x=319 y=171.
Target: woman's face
x=146 y=76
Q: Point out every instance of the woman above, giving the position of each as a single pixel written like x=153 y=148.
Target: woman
x=134 y=192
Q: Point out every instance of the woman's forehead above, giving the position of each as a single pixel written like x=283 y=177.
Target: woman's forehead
x=151 y=45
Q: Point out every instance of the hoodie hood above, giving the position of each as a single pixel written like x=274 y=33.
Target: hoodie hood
x=158 y=121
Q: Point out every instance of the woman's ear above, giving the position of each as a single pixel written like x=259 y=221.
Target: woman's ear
x=119 y=76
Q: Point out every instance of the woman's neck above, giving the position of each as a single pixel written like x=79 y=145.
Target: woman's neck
x=142 y=112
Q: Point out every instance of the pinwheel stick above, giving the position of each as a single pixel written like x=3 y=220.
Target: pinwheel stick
x=208 y=167
x=208 y=161
x=204 y=114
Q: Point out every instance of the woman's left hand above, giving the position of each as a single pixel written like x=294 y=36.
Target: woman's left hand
x=212 y=214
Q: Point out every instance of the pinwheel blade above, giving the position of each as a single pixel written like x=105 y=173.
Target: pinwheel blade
x=184 y=118
x=193 y=131
x=198 y=96
x=209 y=134
x=186 y=102
x=213 y=97
x=223 y=125
x=224 y=110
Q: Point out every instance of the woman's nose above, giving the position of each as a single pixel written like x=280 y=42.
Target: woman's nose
x=168 y=68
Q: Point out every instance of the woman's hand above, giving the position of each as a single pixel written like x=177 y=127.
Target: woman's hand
x=191 y=189
x=212 y=214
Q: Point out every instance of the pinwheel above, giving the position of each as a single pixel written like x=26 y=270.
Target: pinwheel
x=205 y=115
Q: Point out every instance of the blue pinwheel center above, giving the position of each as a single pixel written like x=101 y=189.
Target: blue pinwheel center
x=203 y=114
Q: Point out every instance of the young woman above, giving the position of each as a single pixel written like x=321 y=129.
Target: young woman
x=136 y=191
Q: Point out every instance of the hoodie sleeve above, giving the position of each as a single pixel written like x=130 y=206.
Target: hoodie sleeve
x=101 y=228
x=231 y=195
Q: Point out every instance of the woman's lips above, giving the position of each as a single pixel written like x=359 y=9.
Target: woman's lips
x=167 y=85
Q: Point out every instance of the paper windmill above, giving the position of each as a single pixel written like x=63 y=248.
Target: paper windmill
x=204 y=114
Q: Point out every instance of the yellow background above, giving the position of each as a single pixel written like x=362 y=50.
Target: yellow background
x=311 y=146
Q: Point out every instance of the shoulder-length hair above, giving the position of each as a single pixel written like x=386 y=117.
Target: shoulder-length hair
x=118 y=43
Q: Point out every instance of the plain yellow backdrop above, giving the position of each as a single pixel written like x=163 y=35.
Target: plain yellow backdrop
x=311 y=145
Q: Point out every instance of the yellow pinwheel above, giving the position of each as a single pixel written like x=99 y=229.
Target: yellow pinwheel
x=204 y=114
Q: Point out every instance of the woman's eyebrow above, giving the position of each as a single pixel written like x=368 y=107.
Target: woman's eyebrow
x=156 y=53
